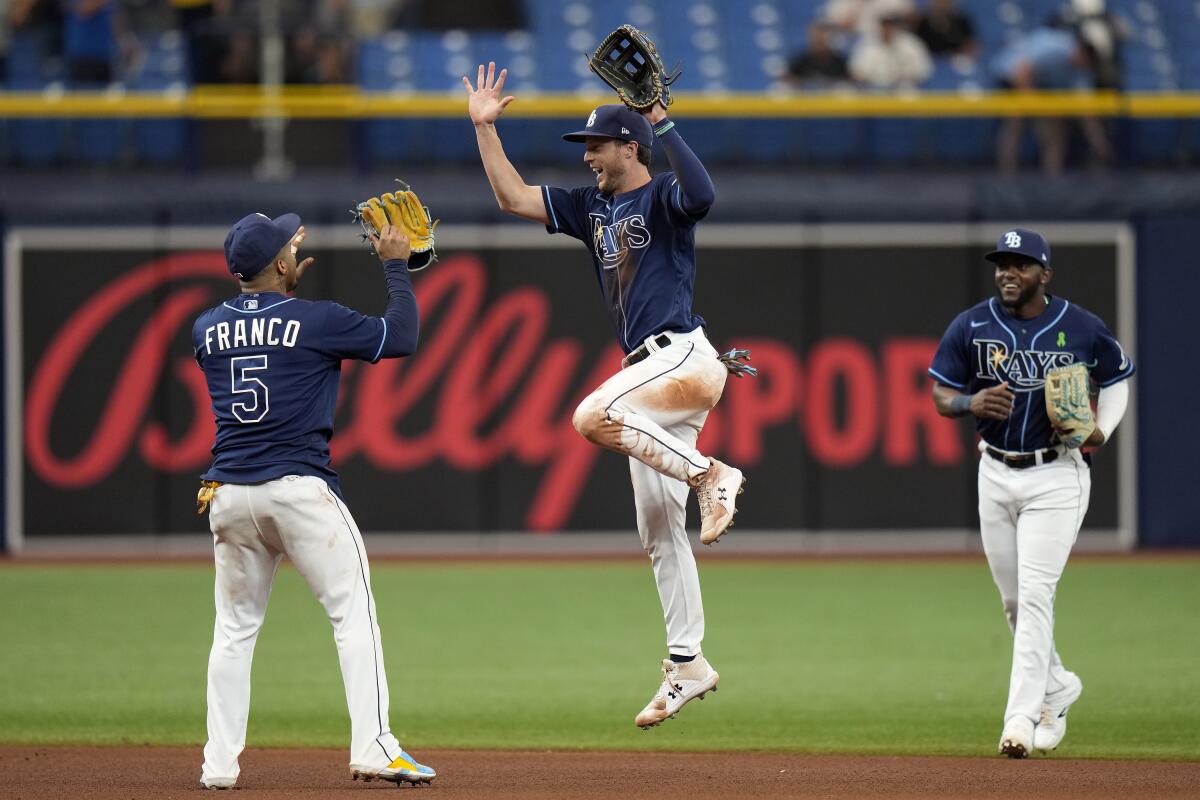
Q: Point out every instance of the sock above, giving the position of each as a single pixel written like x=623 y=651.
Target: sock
x=678 y=659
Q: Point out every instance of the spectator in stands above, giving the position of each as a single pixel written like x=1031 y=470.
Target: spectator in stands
x=89 y=40
x=240 y=63
x=440 y=15
x=1047 y=59
x=321 y=48
x=369 y=17
x=820 y=65
x=947 y=30
x=40 y=19
x=863 y=16
x=1102 y=32
x=4 y=25
x=892 y=58
x=197 y=21
x=233 y=32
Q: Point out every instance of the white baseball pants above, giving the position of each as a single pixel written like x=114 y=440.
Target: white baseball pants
x=253 y=528
x=661 y=404
x=1029 y=519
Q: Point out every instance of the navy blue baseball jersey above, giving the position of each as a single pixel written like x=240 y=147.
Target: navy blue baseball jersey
x=643 y=246
x=273 y=365
x=985 y=345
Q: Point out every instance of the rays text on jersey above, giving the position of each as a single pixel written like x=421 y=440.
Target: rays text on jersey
x=612 y=242
x=252 y=333
x=1021 y=368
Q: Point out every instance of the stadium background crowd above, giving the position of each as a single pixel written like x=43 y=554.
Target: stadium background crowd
x=769 y=48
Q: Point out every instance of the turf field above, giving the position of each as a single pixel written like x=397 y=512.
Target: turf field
x=815 y=656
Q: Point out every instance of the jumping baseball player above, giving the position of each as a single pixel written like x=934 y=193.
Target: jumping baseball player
x=1000 y=360
x=640 y=233
x=272 y=363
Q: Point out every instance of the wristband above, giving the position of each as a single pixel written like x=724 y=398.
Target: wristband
x=961 y=405
x=396 y=262
x=663 y=126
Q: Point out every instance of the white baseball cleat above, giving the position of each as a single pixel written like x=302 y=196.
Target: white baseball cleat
x=218 y=783
x=404 y=769
x=1017 y=739
x=717 y=489
x=1052 y=726
x=681 y=683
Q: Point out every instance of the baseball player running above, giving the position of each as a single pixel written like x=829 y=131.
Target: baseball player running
x=993 y=362
x=640 y=233
x=272 y=363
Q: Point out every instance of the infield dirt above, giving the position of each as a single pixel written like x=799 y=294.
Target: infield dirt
x=108 y=773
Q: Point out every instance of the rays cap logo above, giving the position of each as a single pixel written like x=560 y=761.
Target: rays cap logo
x=255 y=240
x=1022 y=241
x=615 y=122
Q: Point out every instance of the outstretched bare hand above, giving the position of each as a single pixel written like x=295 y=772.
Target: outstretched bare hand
x=486 y=103
x=298 y=240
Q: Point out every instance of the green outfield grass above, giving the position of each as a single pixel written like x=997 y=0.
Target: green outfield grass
x=854 y=657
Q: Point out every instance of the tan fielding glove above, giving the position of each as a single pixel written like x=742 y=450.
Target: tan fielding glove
x=402 y=210
x=1068 y=404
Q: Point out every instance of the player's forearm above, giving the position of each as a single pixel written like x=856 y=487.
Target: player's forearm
x=696 y=187
x=507 y=183
x=401 y=316
x=1110 y=409
x=950 y=402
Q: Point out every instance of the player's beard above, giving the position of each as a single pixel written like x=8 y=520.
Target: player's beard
x=614 y=177
x=1025 y=295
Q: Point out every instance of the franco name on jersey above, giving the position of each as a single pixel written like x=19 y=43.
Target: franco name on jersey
x=256 y=332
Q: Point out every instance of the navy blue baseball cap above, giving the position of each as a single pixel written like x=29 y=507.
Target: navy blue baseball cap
x=1022 y=241
x=615 y=122
x=256 y=239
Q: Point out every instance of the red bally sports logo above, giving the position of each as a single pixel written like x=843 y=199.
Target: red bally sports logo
x=508 y=396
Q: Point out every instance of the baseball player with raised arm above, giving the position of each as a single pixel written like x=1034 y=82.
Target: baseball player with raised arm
x=272 y=363
x=639 y=231
x=999 y=361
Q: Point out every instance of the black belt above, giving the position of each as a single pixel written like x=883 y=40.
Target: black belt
x=1023 y=461
x=643 y=352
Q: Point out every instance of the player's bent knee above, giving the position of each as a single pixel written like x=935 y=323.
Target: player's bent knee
x=589 y=417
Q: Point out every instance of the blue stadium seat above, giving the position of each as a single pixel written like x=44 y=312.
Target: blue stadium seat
x=433 y=54
x=943 y=78
x=28 y=62
x=1038 y=12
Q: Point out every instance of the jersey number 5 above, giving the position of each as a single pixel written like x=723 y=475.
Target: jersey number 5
x=254 y=407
